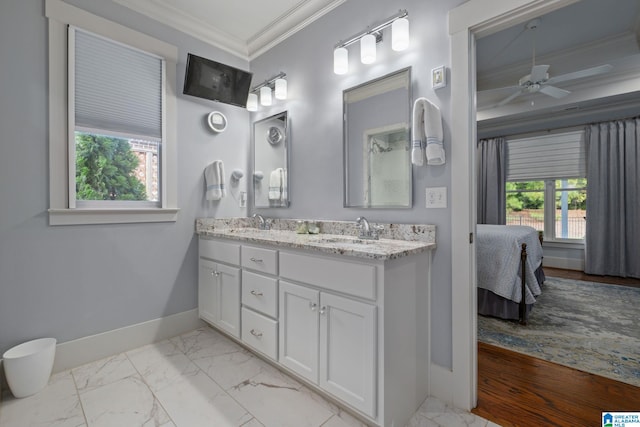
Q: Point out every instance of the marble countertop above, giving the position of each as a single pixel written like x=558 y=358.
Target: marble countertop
x=339 y=243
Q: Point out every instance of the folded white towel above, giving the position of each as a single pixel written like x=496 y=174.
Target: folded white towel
x=214 y=179
x=275 y=184
x=433 y=131
x=417 y=155
x=427 y=127
x=285 y=189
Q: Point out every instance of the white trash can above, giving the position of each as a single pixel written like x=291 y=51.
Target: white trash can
x=28 y=366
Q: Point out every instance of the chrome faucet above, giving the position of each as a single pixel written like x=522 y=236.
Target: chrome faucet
x=366 y=231
x=262 y=223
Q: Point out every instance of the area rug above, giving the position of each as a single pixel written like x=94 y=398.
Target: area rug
x=589 y=326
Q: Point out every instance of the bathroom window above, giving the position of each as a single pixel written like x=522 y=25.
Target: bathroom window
x=112 y=111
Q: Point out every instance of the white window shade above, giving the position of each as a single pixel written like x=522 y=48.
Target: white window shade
x=547 y=157
x=118 y=89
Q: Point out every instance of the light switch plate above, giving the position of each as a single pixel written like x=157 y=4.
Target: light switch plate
x=436 y=197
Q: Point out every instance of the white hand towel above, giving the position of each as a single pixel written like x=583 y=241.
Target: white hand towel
x=433 y=131
x=417 y=155
x=285 y=190
x=275 y=184
x=214 y=179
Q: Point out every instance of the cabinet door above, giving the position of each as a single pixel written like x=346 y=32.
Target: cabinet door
x=219 y=295
x=228 y=299
x=298 y=322
x=348 y=351
x=207 y=291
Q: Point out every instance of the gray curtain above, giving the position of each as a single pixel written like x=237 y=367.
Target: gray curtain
x=613 y=206
x=491 y=158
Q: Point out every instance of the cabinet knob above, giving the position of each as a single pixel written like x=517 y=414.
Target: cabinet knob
x=215 y=273
x=256 y=293
x=256 y=334
x=313 y=306
x=323 y=309
x=255 y=259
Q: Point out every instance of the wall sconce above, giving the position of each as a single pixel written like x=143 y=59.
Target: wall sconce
x=276 y=85
x=369 y=38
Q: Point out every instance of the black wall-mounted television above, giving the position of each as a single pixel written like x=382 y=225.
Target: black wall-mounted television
x=209 y=79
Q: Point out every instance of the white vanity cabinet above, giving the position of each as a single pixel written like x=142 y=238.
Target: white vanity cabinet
x=260 y=299
x=219 y=286
x=353 y=327
x=331 y=341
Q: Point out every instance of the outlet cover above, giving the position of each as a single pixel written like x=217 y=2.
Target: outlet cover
x=436 y=197
x=242 y=201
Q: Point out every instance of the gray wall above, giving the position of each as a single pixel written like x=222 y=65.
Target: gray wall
x=315 y=108
x=70 y=282
x=73 y=281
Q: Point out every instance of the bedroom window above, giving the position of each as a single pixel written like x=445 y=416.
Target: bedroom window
x=546 y=184
x=565 y=219
x=112 y=121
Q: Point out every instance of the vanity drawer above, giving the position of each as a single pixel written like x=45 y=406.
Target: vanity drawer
x=220 y=251
x=260 y=259
x=351 y=278
x=260 y=332
x=260 y=293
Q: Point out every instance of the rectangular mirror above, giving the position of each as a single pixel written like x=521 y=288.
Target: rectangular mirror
x=271 y=162
x=377 y=143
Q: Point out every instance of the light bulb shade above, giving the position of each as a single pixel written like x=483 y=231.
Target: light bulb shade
x=341 y=60
x=281 y=89
x=252 y=102
x=400 y=34
x=265 y=96
x=368 y=49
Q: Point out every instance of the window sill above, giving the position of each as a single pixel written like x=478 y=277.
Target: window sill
x=110 y=216
x=566 y=244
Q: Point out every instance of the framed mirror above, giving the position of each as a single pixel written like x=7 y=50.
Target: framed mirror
x=377 y=143
x=271 y=162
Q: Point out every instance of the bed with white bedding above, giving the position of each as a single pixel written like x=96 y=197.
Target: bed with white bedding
x=501 y=257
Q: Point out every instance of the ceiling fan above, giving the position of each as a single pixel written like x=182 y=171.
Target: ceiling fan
x=538 y=79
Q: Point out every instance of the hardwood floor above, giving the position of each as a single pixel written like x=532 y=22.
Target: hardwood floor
x=519 y=390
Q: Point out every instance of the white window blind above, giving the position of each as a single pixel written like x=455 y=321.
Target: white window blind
x=118 y=89
x=547 y=157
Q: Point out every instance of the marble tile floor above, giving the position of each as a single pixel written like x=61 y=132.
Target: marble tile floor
x=200 y=378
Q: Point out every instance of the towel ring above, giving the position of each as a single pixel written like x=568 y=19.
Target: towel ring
x=217 y=121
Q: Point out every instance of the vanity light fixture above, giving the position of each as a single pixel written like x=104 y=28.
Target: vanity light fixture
x=252 y=102
x=277 y=85
x=265 y=96
x=368 y=39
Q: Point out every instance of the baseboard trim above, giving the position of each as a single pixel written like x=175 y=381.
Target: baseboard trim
x=440 y=384
x=565 y=263
x=74 y=353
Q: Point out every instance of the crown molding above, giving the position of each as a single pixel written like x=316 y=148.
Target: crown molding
x=288 y=24
x=281 y=28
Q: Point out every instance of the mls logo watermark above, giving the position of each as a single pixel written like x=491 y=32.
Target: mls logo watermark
x=621 y=419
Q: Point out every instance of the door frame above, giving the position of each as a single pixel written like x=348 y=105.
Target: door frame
x=471 y=20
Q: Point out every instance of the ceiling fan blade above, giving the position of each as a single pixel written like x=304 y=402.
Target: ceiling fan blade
x=509 y=98
x=587 y=72
x=499 y=89
x=553 y=91
x=538 y=73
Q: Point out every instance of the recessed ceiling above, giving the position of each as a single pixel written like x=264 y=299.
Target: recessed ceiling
x=585 y=34
x=245 y=28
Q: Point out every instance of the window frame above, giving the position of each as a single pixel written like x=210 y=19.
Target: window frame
x=549 y=210
x=61 y=212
